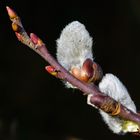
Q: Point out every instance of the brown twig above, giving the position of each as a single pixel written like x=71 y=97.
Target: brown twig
x=98 y=98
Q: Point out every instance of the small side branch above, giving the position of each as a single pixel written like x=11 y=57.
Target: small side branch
x=98 y=98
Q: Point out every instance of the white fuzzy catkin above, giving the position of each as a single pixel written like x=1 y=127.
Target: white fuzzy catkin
x=74 y=45
x=113 y=87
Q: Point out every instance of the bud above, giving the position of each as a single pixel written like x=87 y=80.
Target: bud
x=12 y=14
x=90 y=72
x=16 y=27
x=87 y=68
x=51 y=70
x=36 y=40
x=76 y=72
x=84 y=76
x=98 y=73
x=85 y=73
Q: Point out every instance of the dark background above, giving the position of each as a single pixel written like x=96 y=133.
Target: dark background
x=35 y=105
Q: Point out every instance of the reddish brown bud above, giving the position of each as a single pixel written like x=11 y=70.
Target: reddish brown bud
x=36 y=40
x=87 y=68
x=85 y=73
x=84 y=76
x=76 y=72
x=12 y=14
x=51 y=70
x=98 y=73
x=90 y=72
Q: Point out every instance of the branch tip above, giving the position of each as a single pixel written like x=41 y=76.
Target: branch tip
x=12 y=14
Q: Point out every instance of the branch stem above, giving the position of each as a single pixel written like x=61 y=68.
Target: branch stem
x=99 y=99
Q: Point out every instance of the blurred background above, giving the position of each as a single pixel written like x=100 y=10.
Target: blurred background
x=35 y=105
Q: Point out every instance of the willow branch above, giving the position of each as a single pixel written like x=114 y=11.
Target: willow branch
x=98 y=98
